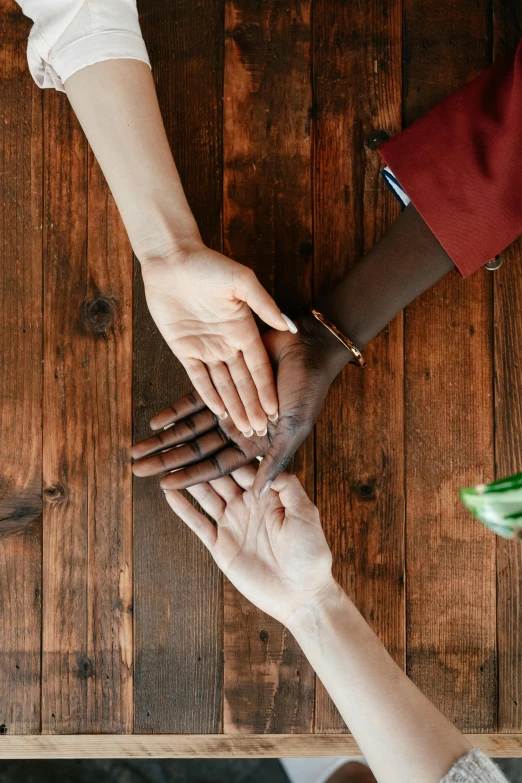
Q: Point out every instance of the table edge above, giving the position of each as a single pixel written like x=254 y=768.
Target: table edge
x=213 y=745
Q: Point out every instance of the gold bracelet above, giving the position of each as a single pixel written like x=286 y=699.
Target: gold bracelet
x=332 y=328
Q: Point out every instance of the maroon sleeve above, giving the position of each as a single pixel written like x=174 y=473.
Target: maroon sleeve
x=460 y=165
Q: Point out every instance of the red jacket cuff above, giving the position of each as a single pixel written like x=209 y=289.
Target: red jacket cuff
x=459 y=165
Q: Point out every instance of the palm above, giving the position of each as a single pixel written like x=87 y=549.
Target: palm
x=272 y=549
x=265 y=550
x=202 y=303
x=196 y=308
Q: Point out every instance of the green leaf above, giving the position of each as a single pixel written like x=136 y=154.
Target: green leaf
x=498 y=505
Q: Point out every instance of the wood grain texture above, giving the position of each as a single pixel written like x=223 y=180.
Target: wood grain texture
x=268 y=684
x=178 y=589
x=449 y=422
x=217 y=746
x=359 y=435
x=21 y=145
x=20 y=280
x=87 y=618
x=507 y=32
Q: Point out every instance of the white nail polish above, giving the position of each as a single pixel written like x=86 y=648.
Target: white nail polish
x=169 y=425
x=289 y=323
x=274 y=418
x=249 y=433
x=223 y=416
x=261 y=433
x=265 y=489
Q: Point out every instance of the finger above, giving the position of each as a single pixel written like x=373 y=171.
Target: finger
x=227 y=488
x=193 y=518
x=221 y=378
x=208 y=499
x=291 y=492
x=258 y=364
x=181 y=432
x=198 y=374
x=247 y=391
x=250 y=290
x=287 y=439
x=186 y=406
x=180 y=456
x=245 y=476
x=215 y=467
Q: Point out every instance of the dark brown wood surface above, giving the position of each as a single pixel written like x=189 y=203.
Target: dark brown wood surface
x=359 y=435
x=450 y=573
x=272 y=110
x=269 y=685
x=178 y=590
x=87 y=545
x=20 y=379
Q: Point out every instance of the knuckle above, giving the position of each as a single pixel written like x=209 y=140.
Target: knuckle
x=190 y=424
x=218 y=467
x=196 y=449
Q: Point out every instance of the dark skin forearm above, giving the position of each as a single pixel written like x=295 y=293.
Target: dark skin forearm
x=405 y=262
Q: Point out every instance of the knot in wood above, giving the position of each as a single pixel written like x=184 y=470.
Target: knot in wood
x=376 y=138
x=3 y=729
x=85 y=668
x=366 y=490
x=55 y=494
x=98 y=314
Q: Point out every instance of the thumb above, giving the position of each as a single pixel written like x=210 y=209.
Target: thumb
x=285 y=443
x=250 y=290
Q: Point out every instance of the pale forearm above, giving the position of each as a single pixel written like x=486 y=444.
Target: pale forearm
x=402 y=735
x=115 y=102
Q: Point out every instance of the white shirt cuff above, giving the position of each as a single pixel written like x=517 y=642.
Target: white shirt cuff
x=395 y=187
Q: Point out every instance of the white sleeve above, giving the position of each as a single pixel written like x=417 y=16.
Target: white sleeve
x=68 y=35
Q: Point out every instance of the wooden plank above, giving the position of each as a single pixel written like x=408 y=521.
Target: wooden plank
x=87 y=619
x=507 y=30
x=178 y=589
x=449 y=420
x=20 y=280
x=217 y=746
x=359 y=435
x=268 y=684
x=21 y=144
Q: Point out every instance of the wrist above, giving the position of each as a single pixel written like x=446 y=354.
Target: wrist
x=333 y=352
x=170 y=251
x=306 y=619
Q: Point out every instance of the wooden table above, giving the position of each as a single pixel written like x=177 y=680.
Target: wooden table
x=113 y=619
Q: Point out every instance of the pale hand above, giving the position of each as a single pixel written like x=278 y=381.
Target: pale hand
x=202 y=303
x=272 y=549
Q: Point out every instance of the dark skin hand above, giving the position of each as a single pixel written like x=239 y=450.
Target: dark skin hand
x=407 y=261
x=304 y=369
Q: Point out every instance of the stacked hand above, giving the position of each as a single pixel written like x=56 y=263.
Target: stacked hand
x=202 y=303
x=305 y=364
x=272 y=549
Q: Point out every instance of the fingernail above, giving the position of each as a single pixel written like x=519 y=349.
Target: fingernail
x=274 y=418
x=223 y=416
x=289 y=323
x=262 y=432
x=249 y=433
x=265 y=489
x=169 y=425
